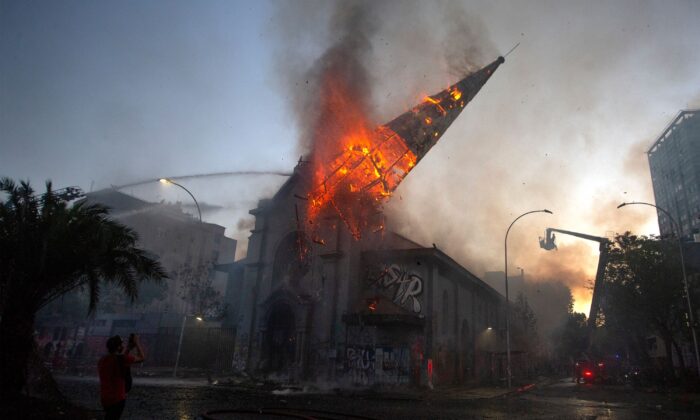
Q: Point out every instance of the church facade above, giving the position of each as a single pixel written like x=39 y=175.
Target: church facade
x=377 y=310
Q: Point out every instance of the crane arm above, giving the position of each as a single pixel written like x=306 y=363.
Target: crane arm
x=548 y=243
x=576 y=234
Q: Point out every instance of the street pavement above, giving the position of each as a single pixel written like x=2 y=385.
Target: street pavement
x=170 y=398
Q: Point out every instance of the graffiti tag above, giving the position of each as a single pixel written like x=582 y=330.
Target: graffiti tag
x=406 y=286
x=361 y=364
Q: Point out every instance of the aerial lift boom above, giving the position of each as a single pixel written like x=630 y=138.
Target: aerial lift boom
x=548 y=243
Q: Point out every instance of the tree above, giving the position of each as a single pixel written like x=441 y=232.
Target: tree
x=644 y=294
x=197 y=291
x=49 y=247
x=114 y=300
x=525 y=333
x=571 y=338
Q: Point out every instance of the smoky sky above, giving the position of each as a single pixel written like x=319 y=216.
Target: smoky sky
x=564 y=124
x=96 y=93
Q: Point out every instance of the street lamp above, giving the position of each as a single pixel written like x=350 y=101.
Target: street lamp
x=179 y=344
x=691 y=316
x=509 y=372
x=167 y=181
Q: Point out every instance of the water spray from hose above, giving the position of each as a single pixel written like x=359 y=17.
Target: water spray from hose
x=207 y=175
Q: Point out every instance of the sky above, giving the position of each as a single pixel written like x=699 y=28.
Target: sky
x=96 y=93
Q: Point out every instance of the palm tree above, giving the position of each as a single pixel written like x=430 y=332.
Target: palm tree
x=48 y=247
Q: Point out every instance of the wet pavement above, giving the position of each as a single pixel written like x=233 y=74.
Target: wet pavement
x=166 y=398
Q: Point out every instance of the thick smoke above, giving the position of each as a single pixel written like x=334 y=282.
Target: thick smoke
x=377 y=51
x=374 y=49
x=545 y=132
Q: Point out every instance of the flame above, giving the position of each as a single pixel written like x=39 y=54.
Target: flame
x=436 y=103
x=356 y=167
x=356 y=164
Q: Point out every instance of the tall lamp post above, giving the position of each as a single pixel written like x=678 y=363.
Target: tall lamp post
x=508 y=368
x=167 y=181
x=179 y=344
x=691 y=316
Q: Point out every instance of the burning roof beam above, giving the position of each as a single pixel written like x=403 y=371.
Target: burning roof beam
x=372 y=166
x=422 y=126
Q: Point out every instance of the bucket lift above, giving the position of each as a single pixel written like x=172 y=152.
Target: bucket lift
x=548 y=243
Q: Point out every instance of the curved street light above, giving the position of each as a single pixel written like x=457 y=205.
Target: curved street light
x=167 y=181
x=691 y=316
x=509 y=373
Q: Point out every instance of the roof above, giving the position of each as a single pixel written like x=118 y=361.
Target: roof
x=116 y=200
x=122 y=206
x=670 y=127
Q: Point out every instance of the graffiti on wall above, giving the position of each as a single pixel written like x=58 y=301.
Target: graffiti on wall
x=395 y=365
x=381 y=365
x=361 y=364
x=372 y=357
x=400 y=285
x=240 y=353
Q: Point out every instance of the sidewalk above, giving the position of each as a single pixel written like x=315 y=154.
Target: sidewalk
x=143 y=380
x=475 y=392
x=200 y=378
x=448 y=392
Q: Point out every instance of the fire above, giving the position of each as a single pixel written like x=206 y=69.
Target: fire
x=356 y=164
x=372 y=165
x=436 y=103
x=355 y=167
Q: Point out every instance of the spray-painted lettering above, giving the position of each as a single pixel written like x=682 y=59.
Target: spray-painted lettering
x=403 y=286
x=361 y=364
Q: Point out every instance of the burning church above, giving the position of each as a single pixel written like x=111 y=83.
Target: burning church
x=330 y=294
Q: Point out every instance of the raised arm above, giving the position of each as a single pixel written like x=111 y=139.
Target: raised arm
x=140 y=354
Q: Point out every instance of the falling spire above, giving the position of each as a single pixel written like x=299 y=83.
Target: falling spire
x=370 y=165
x=422 y=126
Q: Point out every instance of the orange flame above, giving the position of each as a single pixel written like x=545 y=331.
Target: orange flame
x=437 y=104
x=355 y=167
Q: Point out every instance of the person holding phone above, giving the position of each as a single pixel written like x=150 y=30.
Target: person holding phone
x=114 y=370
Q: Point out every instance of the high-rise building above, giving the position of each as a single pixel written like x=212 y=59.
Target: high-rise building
x=182 y=244
x=674 y=159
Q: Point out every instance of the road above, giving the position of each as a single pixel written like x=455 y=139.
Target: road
x=183 y=400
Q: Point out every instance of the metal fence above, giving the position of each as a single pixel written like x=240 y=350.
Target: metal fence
x=202 y=348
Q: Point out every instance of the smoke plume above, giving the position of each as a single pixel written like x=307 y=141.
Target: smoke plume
x=544 y=132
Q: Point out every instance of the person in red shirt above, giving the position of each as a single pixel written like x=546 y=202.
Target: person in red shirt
x=114 y=371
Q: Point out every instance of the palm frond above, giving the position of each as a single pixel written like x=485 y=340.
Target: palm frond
x=52 y=248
